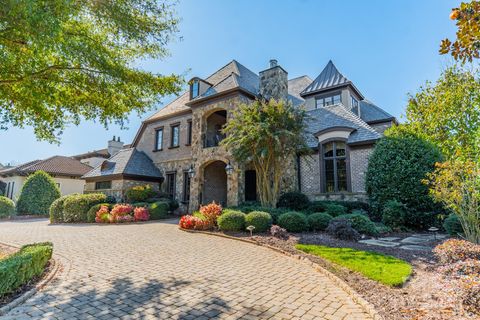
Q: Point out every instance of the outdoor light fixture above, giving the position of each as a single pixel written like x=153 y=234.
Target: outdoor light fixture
x=191 y=171
x=229 y=168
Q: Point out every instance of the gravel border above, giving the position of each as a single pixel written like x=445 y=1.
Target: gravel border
x=368 y=307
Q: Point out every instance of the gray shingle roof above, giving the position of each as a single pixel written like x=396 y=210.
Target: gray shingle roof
x=329 y=78
x=369 y=112
x=295 y=86
x=126 y=162
x=338 y=116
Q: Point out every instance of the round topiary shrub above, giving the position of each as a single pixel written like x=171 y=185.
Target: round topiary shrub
x=37 y=195
x=231 y=220
x=75 y=207
x=7 y=207
x=361 y=223
x=452 y=225
x=293 y=221
x=293 y=201
x=319 y=221
x=396 y=169
x=259 y=219
x=335 y=210
x=56 y=209
x=158 y=210
x=394 y=215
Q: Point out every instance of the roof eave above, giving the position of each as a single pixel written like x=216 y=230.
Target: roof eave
x=220 y=94
x=346 y=84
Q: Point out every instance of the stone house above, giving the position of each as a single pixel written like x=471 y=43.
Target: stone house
x=183 y=139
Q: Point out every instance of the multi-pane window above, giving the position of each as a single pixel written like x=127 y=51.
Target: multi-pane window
x=175 y=137
x=195 y=88
x=335 y=166
x=354 y=103
x=170 y=185
x=189 y=132
x=328 y=100
x=101 y=185
x=186 y=187
x=159 y=139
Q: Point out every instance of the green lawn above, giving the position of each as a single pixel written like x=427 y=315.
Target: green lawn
x=384 y=269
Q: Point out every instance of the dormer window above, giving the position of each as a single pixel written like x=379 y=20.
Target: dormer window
x=354 y=103
x=328 y=100
x=195 y=89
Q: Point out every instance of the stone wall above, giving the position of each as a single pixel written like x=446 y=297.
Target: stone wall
x=119 y=187
x=274 y=83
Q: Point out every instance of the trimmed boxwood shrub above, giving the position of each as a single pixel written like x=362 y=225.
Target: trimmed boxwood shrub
x=361 y=223
x=319 y=221
x=37 y=195
x=21 y=267
x=293 y=201
x=350 y=206
x=139 y=193
x=396 y=169
x=259 y=219
x=92 y=212
x=254 y=206
x=75 y=207
x=231 y=220
x=335 y=210
x=56 y=209
x=158 y=210
x=293 y=221
x=452 y=225
x=394 y=214
x=7 y=207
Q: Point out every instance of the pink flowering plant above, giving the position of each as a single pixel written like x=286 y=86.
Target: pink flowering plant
x=141 y=214
x=103 y=215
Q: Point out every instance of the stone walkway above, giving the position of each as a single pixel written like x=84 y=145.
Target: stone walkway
x=155 y=271
x=413 y=242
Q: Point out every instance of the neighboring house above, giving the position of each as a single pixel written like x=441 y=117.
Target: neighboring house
x=66 y=172
x=182 y=139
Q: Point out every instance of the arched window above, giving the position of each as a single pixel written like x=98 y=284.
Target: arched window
x=335 y=166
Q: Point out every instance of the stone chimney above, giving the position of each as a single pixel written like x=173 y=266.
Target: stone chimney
x=274 y=82
x=114 y=146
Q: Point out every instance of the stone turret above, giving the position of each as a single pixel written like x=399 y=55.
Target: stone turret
x=274 y=82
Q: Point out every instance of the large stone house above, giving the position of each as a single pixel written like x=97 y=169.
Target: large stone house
x=182 y=139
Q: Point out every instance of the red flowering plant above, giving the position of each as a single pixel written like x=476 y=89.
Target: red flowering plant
x=141 y=214
x=120 y=212
x=102 y=215
x=211 y=212
x=194 y=223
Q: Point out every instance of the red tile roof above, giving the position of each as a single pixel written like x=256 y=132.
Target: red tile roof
x=57 y=165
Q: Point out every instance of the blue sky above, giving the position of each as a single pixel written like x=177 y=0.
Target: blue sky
x=387 y=48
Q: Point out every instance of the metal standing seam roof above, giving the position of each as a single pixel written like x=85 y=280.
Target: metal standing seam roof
x=126 y=162
x=56 y=165
x=338 y=116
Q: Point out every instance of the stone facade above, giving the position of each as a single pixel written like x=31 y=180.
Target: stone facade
x=274 y=82
x=119 y=186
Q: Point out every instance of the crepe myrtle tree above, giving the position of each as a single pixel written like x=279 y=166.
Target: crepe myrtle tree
x=67 y=60
x=267 y=134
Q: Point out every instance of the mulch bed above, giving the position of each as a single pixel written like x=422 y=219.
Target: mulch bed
x=426 y=295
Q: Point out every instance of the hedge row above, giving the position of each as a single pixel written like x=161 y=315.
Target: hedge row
x=74 y=207
x=21 y=267
x=7 y=207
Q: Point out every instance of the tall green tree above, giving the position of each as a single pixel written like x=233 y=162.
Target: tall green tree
x=67 y=60
x=268 y=135
x=447 y=113
x=38 y=193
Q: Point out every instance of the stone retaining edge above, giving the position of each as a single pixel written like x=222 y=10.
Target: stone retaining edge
x=367 y=306
x=40 y=285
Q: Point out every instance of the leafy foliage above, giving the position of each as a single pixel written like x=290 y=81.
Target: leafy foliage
x=159 y=210
x=76 y=206
x=335 y=209
x=211 y=212
x=452 y=225
x=38 y=193
x=467 y=44
x=350 y=206
x=260 y=220
x=7 y=207
x=361 y=223
x=231 y=220
x=139 y=193
x=396 y=170
x=294 y=201
x=319 y=221
x=56 y=209
x=394 y=215
x=293 y=221
x=342 y=229
x=268 y=135
x=249 y=207
x=67 y=60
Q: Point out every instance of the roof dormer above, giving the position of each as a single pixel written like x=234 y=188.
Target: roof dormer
x=198 y=87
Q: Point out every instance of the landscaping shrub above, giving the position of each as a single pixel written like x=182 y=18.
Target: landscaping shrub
x=37 y=195
x=361 y=223
x=158 y=210
x=139 y=193
x=342 y=229
x=111 y=199
x=350 y=206
x=75 y=207
x=194 y=223
x=319 y=221
x=231 y=220
x=122 y=213
x=293 y=221
x=249 y=207
x=56 y=209
x=21 y=267
x=92 y=212
x=454 y=250
x=335 y=210
x=422 y=220
x=259 y=219
x=452 y=225
x=279 y=232
x=394 y=215
x=396 y=170
x=7 y=207
x=141 y=214
x=103 y=215
x=140 y=204
x=211 y=212
x=294 y=201
x=381 y=228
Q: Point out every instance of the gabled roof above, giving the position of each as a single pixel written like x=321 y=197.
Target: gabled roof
x=127 y=162
x=295 y=86
x=338 y=116
x=370 y=113
x=56 y=165
x=328 y=79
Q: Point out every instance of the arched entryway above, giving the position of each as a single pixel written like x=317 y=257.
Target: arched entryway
x=215 y=183
x=213 y=129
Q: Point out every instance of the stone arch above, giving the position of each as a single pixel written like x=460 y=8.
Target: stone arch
x=213 y=122
x=214 y=182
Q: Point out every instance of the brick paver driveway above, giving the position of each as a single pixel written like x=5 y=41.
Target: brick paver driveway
x=155 y=271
